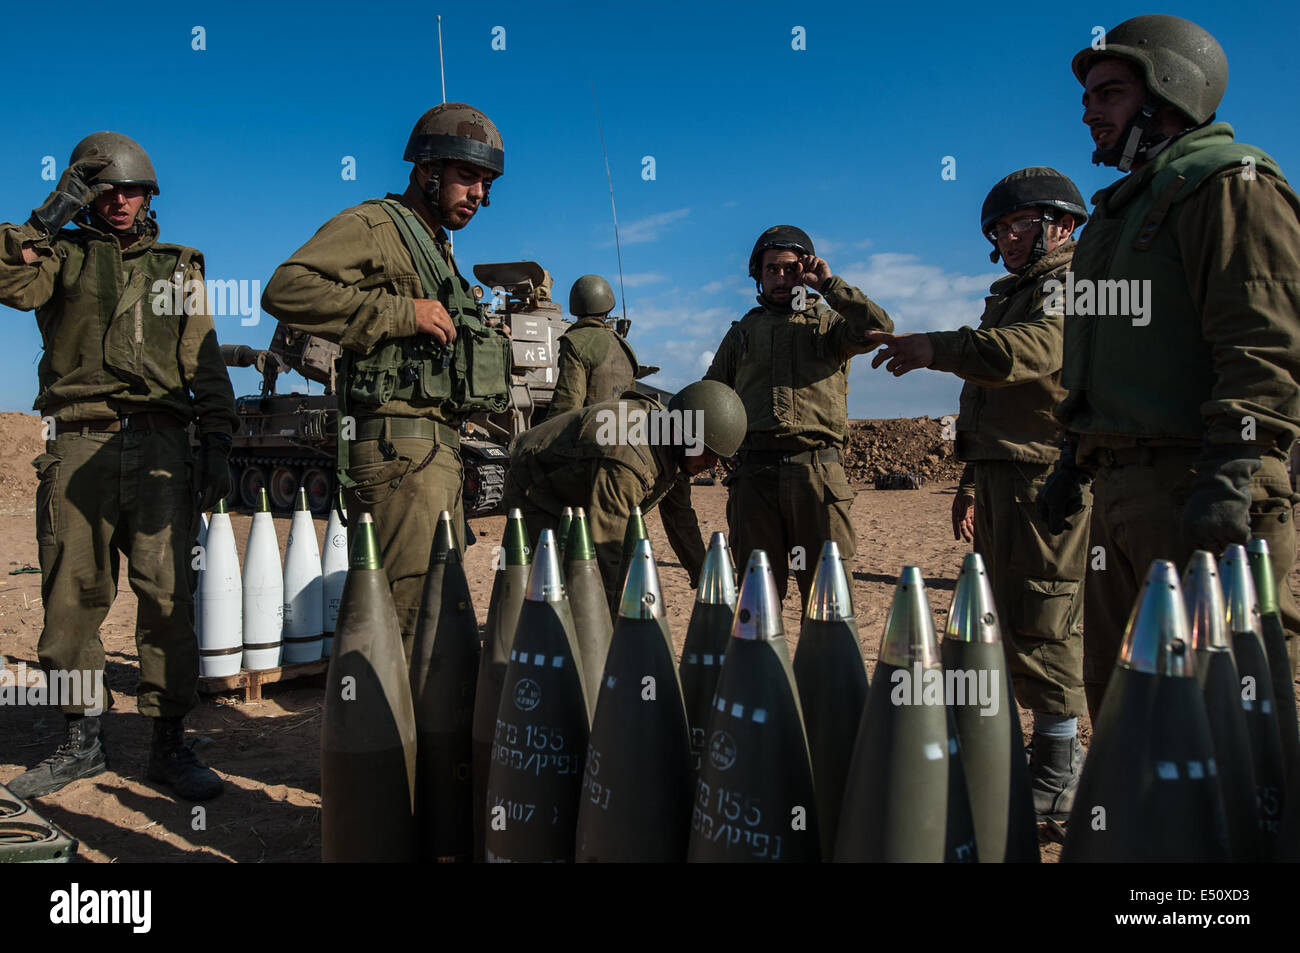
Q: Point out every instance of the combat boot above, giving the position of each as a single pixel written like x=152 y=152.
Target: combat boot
x=1054 y=768
x=172 y=762
x=81 y=755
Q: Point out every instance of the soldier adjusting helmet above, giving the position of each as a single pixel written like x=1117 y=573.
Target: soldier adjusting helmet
x=778 y=236
x=456 y=132
x=1182 y=64
x=723 y=415
x=1035 y=187
x=591 y=295
x=129 y=164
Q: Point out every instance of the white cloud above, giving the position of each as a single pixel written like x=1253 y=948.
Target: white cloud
x=639 y=280
x=649 y=229
x=919 y=296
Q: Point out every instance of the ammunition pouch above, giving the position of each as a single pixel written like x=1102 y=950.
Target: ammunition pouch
x=469 y=376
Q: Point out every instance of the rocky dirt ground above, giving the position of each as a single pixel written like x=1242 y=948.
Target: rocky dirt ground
x=268 y=752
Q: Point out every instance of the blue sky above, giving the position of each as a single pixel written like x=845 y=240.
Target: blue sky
x=845 y=138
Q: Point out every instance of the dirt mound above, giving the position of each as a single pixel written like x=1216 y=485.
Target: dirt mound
x=908 y=445
x=20 y=442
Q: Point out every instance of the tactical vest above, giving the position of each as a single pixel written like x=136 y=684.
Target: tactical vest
x=469 y=376
x=1146 y=380
x=794 y=387
x=610 y=361
x=110 y=332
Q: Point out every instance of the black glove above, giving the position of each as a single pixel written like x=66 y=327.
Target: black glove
x=1062 y=495
x=214 y=470
x=1217 y=514
x=72 y=194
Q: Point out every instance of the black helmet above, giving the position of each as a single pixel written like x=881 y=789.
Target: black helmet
x=779 y=236
x=1035 y=187
x=1027 y=188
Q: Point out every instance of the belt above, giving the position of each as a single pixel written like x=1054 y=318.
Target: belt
x=769 y=457
x=372 y=428
x=1112 y=457
x=145 y=420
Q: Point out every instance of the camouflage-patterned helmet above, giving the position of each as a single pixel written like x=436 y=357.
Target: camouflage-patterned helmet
x=724 y=418
x=590 y=294
x=1182 y=63
x=129 y=163
x=1037 y=186
x=778 y=236
x=458 y=132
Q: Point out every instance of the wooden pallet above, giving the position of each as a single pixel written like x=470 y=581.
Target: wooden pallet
x=251 y=682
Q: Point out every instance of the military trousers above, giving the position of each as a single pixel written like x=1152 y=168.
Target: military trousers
x=102 y=496
x=1037 y=583
x=1138 y=499
x=789 y=510
x=405 y=483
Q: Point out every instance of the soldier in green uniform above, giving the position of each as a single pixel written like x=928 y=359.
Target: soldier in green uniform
x=1009 y=439
x=130 y=360
x=1181 y=412
x=597 y=364
x=380 y=280
x=583 y=458
x=788 y=359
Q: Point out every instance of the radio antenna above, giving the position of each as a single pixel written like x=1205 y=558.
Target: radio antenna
x=441 y=72
x=614 y=211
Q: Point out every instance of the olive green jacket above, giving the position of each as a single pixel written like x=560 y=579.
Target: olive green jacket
x=595 y=364
x=354 y=283
x=1215 y=229
x=1011 y=366
x=123 y=329
x=791 y=368
x=575 y=459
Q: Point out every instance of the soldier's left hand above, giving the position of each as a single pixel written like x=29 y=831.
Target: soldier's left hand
x=214 y=470
x=904 y=352
x=813 y=271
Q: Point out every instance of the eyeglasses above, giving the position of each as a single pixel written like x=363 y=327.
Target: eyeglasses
x=999 y=232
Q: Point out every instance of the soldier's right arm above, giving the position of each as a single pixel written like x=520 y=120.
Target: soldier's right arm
x=726 y=357
x=29 y=267
x=1000 y=357
x=331 y=287
x=570 y=382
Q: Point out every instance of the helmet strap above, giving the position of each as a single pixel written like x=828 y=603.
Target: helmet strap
x=1138 y=137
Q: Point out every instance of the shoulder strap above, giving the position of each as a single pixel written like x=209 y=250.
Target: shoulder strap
x=429 y=263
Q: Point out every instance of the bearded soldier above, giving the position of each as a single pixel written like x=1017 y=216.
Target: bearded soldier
x=1181 y=415
x=788 y=359
x=124 y=372
x=418 y=359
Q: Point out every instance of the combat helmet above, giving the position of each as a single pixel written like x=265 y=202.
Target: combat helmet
x=778 y=236
x=460 y=133
x=591 y=295
x=1035 y=187
x=129 y=164
x=722 y=414
x=1183 y=65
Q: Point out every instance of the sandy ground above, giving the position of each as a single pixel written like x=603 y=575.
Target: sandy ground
x=268 y=752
